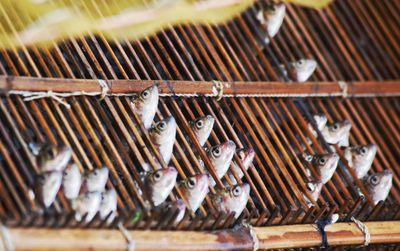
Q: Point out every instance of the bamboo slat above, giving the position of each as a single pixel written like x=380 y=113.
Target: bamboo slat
x=274 y=237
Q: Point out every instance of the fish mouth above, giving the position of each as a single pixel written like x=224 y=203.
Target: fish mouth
x=228 y=146
x=171 y=173
x=311 y=65
x=169 y=119
x=251 y=153
x=346 y=124
x=372 y=148
x=246 y=188
x=203 y=179
x=388 y=173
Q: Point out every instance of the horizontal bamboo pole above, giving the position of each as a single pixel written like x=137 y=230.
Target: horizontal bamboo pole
x=201 y=87
x=274 y=237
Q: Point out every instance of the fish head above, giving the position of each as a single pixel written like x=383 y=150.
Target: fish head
x=160 y=183
x=71 y=173
x=314 y=189
x=337 y=132
x=234 y=199
x=246 y=155
x=194 y=190
x=302 y=69
x=53 y=157
x=163 y=131
x=202 y=128
x=326 y=165
x=274 y=18
x=96 y=180
x=221 y=155
x=379 y=184
x=360 y=158
x=49 y=185
x=145 y=104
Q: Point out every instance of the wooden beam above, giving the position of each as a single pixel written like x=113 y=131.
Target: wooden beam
x=274 y=237
x=201 y=87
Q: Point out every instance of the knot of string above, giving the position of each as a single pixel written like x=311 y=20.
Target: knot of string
x=218 y=89
x=343 y=87
x=254 y=238
x=49 y=94
x=5 y=235
x=104 y=88
x=364 y=230
x=130 y=243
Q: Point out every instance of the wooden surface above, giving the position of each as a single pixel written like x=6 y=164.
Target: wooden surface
x=201 y=87
x=239 y=238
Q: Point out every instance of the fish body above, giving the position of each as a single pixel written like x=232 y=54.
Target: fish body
x=160 y=183
x=360 y=158
x=315 y=189
x=95 y=181
x=320 y=120
x=378 y=185
x=108 y=205
x=272 y=17
x=326 y=165
x=145 y=105
x=72 y=181
x=232 y=199
x=221 y=157
x=337 y=133
x=202 y=128
x=87 y=203
x=49 y=184
x=246 y=156
x=163 y=134
x=301 y=70
x=53 y=157
x=194 y=189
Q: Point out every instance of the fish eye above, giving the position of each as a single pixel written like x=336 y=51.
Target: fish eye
x=162 y=125
x=335 y=127
x=374 y=180
x=191 y=182
x=199 y=123
x=145 y=94
x=363 y=150
x=157 y=176
x=322 y=161
x=236 y=191
x=301 y=62
x=241 y=155
x=217 y=151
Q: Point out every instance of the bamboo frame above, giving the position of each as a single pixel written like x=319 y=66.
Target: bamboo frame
x=325 y=88
x=275 y=237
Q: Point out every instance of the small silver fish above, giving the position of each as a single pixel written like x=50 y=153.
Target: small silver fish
x=232 y=199
x=194 y=189
x=301 y=70
x=202 y=128
x=326 y=165
x=88 y=203
x=221 y=157
x=272 y=18
x=72 y=181
x=145 y=105
x=320 y=120
x=246 y=156
x=95 y=181
x=108 y=205
x=379 y=185
x=337 y=133
x=53 y=158
x=315 y=191
x=360 y=158
x=160 y=183
x=162 y=135
x=49 y=184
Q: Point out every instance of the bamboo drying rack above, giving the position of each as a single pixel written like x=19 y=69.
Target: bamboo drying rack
x=352 y=41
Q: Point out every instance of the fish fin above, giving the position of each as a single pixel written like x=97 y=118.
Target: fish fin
x=344 y=142
x=260 y=17
x=35 y=147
